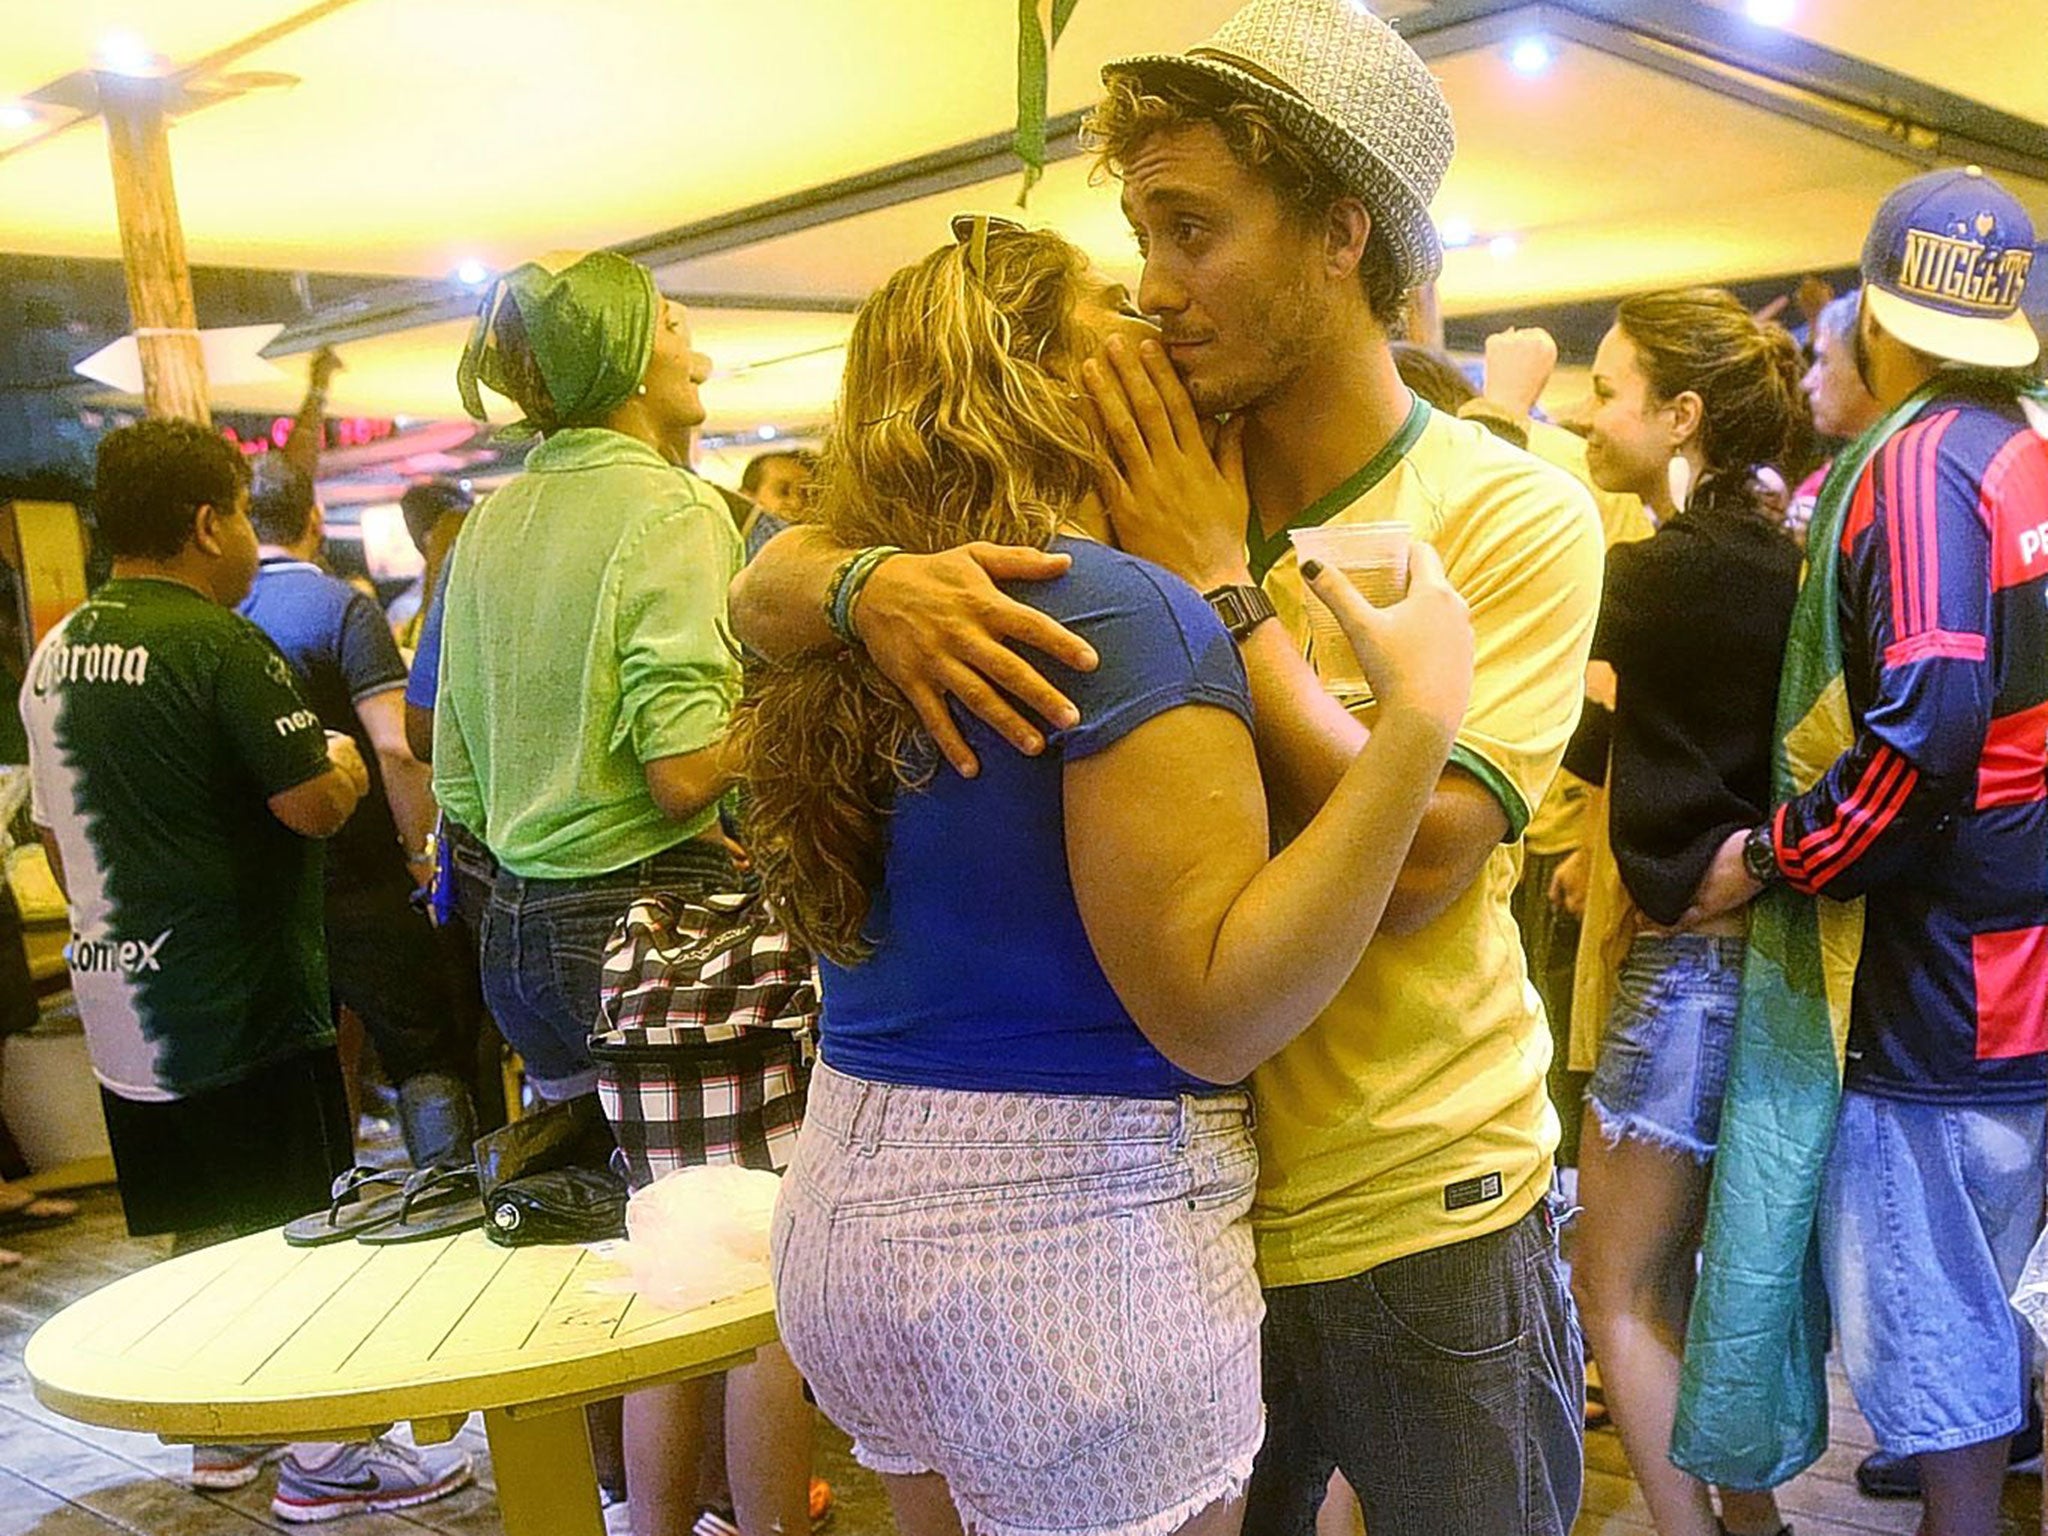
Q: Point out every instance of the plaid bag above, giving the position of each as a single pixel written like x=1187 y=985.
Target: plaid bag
x=708 y=1016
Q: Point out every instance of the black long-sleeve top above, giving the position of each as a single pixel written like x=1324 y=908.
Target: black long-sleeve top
x=1694 y=622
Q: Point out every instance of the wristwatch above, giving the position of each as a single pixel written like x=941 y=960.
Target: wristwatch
x=1760 y=856
x=1242 y=609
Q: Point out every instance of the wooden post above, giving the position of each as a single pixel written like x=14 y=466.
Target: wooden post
x=153 y=249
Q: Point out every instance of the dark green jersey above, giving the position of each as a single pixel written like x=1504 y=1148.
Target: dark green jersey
x=159 y=726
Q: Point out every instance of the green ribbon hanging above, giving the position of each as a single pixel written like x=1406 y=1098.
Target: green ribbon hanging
x=1039 y=25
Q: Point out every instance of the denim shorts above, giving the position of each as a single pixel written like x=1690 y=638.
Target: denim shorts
x=541 y=951
x=1927 y=1214
x=1048 y=1301
x=1663 y=1067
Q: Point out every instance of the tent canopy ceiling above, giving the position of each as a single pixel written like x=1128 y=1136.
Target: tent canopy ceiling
x=420 y=134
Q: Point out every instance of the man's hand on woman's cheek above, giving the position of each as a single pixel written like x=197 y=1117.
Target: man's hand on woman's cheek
x=1170 y=497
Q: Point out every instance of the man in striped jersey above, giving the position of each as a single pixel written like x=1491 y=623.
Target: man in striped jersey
x=1937 y=817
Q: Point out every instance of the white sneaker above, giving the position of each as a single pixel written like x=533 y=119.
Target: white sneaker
x=368 y=1477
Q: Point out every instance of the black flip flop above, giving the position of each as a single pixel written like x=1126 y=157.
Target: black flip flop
x=346 y=1216
x=436 y=1202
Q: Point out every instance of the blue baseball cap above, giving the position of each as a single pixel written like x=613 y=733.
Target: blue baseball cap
x=1945 y=268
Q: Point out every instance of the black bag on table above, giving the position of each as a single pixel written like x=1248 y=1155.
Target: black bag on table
x=547 y=1178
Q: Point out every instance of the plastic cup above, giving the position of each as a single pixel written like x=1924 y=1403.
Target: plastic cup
x=1373 y=557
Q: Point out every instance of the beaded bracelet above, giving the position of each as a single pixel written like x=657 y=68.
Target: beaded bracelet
x=846 y=586
x=856 y=583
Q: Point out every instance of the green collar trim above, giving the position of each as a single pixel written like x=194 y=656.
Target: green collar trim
x=1502 y=788
x=574 y=448
x=1267 y=550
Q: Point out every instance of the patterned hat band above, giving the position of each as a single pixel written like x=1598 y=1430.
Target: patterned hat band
x=1257 y=71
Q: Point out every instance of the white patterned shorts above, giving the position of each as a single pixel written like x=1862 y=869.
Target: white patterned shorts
x=1048 y=1301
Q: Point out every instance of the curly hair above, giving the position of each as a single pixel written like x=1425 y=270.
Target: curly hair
x=957 y=421
x=1746 y=373
x=151 y=480
x=1132 y=110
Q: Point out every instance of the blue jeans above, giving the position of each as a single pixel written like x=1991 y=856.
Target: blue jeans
x=541 y=950
x=1448 y=1387
x=1927 y=1214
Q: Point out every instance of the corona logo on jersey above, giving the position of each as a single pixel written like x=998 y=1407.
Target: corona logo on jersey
x=63 y=663
x=1946 y=266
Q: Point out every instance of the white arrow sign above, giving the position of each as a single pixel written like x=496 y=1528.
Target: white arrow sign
x=232 y=356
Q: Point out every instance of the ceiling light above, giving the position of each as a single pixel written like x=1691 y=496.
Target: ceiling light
x=1503 y=247
x=1531 y=56
x=15 y=116
x=1455 y=233
x=1771 y=13
x=765 y=433
x=123 y=53
x=472 y=274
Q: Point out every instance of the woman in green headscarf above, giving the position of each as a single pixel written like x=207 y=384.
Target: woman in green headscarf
x=580 y=733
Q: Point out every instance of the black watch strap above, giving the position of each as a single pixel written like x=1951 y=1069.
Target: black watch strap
x=1760 y=856
x=1242 y=609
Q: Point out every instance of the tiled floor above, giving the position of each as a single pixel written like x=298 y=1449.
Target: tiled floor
x=58 y=1478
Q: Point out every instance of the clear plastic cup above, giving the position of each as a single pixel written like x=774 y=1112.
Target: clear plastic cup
x=1374 y=558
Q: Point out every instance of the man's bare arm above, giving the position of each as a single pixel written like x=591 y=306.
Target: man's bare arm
x=302 y=447
x=419 y=735
x=936 y=626
x=778 y=600
x=408 y=782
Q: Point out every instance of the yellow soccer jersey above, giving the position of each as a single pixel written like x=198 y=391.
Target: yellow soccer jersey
x=1557 y=825
x=1413 y=1113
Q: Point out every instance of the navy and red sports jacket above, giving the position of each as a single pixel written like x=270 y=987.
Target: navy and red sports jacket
x=1939 y=812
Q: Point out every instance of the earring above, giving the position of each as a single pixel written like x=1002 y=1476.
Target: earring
x=1679 y=477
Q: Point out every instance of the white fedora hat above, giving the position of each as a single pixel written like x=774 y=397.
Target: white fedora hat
x=1346 y=84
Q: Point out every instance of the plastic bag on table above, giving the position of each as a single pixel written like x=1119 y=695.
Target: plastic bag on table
x=2030 y=1296
x=698 y=1235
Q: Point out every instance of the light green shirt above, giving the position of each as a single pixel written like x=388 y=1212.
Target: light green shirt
x=585 y=634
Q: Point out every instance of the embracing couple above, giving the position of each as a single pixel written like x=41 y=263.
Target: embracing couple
x=1092 y=1048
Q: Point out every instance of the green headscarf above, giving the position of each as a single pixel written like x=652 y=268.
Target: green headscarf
x=589 y=328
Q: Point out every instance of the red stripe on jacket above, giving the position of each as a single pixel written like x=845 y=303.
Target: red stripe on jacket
x=1887 y=783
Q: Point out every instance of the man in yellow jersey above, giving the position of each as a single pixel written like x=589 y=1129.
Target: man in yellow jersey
x=1419 y=1335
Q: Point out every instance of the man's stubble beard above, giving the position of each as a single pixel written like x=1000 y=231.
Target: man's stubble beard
x=1282 y=333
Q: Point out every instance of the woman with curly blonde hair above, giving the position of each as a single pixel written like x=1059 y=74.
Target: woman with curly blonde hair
x=1011 y=1254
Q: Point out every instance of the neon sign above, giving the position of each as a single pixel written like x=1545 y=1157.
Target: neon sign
x=338 y=432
